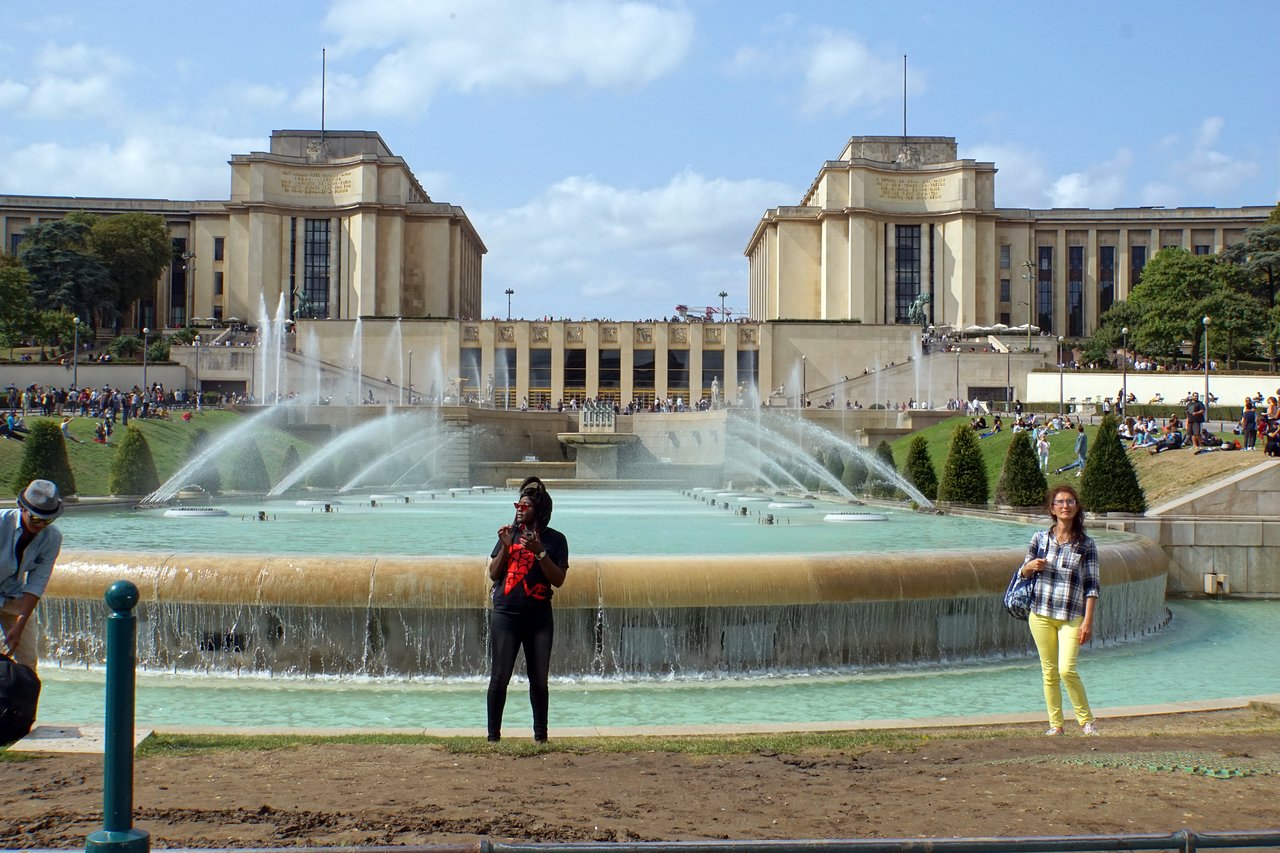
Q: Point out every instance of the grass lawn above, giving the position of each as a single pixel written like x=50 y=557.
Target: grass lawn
x=170 y=444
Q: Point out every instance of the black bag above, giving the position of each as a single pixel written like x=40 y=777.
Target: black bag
x=19 y=696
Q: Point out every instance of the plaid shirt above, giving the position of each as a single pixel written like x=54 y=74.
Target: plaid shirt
x=1070 y=577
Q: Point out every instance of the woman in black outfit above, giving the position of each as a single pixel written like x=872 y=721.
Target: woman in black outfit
x=529 y=559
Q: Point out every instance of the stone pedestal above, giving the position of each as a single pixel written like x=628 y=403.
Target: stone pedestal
x=597 y=452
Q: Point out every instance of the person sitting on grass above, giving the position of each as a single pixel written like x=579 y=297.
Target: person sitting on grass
x=65 y=427
x=1171 y=441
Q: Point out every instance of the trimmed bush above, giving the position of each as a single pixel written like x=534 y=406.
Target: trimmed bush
x=44 y=457
x=964 y=474
x=855 y=473
x=919 y=470
x=206 y=476
x=834 y=462
x=1110 y=483
x=133 y=470
x=1022 y=483
x=248 y=472
x=879 y=484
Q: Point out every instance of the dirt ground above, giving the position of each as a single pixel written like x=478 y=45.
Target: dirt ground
x=1202 y=771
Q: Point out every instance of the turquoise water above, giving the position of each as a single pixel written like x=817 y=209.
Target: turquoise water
x=597 y=523
x=1211 y=650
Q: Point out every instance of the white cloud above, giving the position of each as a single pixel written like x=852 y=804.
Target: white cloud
x=1198 y=171
x=149 y=162
x=502 y=44
x=1021 y=180
x=843 y=73
x=72 y=81
x=1100 y=185
x=624 y=252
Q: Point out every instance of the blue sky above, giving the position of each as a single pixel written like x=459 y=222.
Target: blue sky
x=615 y=157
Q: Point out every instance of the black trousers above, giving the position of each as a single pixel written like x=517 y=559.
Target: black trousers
x=508 y=633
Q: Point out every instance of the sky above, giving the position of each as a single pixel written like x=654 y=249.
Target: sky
x=615 y=157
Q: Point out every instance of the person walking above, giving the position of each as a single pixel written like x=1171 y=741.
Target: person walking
x=29 y=546
x=1065 y=561
x=1082 y=449
x=528 y=561
x=1042 y=449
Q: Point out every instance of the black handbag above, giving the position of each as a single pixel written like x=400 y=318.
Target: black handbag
x=19 y=696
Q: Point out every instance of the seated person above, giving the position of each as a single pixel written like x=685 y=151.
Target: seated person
x=1171 y=441
x=980 y=423
x=996 y=426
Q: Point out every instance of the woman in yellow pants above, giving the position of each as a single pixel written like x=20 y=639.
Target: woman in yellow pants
x=1066 y=593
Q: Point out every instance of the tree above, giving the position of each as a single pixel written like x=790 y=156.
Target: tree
x=248 y=471
x=855 y=473
x=1258 y=256
x=1171 y=300
x=919 y=470
x=878 y=483
x=135 y=248
x=64 y=272
x=44 y=457
x=1110 y=483
x=1236 y=321
x=125 y=346
x=964 y=474
x=133 y=471
x=1109 y=337
x=17 y=309
x=1022 y=483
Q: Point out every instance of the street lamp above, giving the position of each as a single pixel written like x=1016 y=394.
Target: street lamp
x=804 y=381
x=145 y=333
x=189 y=267
x=1124 y=369
x=1060 y=386
x=1030 y=277
x=509 y=292
x=1206 y=368
x=197 y=343
x=723 y=294
x=410 y=377
x=75 y=354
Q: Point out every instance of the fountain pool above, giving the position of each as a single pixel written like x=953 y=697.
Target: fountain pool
x=1208 y=651
x=660 y=584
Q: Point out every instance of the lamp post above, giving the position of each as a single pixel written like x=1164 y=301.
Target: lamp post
x=1124 y=369
x=145 y=333
x=75 y=354
x=1206 y=368
x=804 y=381
x=1008 y=378
x=1030 y=277
x=723 y=294
x=1061 y=396
x=509 y=292
x=189 y=267
x=410 y=377
x=197 y=343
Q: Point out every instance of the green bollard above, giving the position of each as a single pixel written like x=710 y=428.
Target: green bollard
x=118 y=834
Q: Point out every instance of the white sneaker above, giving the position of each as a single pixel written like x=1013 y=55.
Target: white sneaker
x=1090 y=730
x=1054 y=731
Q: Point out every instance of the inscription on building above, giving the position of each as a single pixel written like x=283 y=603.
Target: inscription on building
x=910 y=189
x=315 y=183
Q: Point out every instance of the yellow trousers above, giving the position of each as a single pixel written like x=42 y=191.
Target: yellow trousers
x=1058 y=643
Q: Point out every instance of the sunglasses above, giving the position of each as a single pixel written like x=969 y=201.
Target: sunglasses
x=523 y=506
x=1067 y=502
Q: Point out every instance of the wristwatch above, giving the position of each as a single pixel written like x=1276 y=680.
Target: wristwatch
x=541 y=554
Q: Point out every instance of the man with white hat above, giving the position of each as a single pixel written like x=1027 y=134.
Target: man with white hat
x=29 y=546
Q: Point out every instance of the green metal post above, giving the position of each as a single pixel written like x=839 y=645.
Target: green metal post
x=118 y=834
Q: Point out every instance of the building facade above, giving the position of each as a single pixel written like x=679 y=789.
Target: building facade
x=898 y=223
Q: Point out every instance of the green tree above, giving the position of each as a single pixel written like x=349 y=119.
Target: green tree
x=1236 y=321
x=1110 y=483
x=964 y=474
x=1108 y=338
x=880 y=484
x=135 y=248
x=833 y=461
x=17 y=309
x=855 y=473
x=1258 y=256
x=133 y=471
x=248 y=472
x=64 y=271
x=125 y=346
x=158 y=350
x=44 y=457
x=1171 y=298
x=919 y=470
x=1022 y=483
x=206 y=476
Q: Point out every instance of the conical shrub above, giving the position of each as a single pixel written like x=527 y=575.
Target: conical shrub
x=133 y=470
x=919 y=470
x=880 y=484
x=44 y=457
x=248 y=472
x=964 y=475
x=1022 y=483
x=855 y=473
x=1110 y=483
